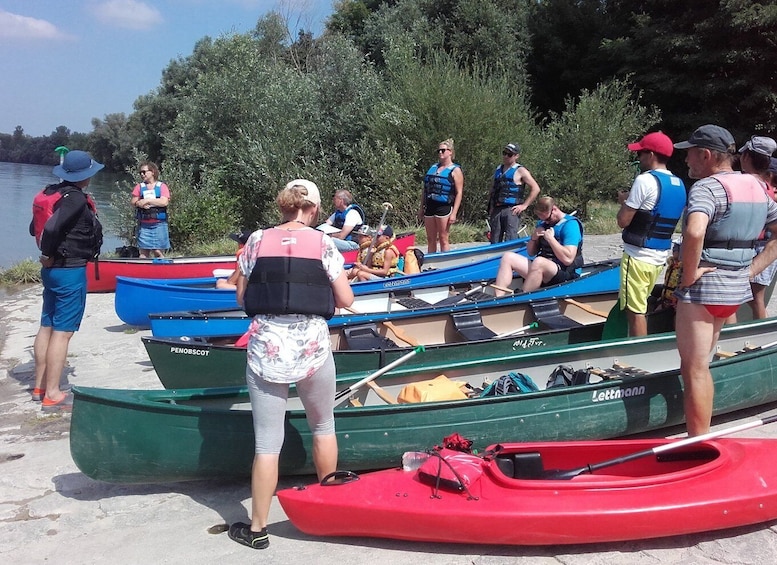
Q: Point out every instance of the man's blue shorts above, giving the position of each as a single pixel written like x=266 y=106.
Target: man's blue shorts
x=64 y=298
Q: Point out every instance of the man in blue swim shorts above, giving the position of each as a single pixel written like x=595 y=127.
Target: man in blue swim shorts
x=69 y=234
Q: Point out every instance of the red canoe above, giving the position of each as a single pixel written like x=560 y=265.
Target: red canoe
x=708 y=486
x=181 y=267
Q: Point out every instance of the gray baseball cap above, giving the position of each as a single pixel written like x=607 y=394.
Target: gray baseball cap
x=759 y=144
x=711 y=137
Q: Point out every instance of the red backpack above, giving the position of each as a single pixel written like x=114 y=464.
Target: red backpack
x=43 y=206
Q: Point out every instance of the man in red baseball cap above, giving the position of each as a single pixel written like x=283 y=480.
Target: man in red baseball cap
x=648 y=215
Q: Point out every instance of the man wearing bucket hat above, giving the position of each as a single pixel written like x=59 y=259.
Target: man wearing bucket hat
x=754 y=159
x=648 y=215
x=726 y=211
x=69 y=238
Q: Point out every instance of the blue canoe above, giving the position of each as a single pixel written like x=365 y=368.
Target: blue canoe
x=596 y=278
x=136 y=298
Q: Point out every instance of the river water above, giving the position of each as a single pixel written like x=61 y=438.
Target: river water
x=19 y=183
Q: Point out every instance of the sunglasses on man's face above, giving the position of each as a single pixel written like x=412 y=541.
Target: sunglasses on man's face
x=441 y=151
x=507 y=154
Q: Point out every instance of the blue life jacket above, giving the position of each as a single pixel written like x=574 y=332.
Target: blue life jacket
x=653 y=229
x=288 y=276
x=730 y=240
x=545 y=250
x=339 y=219
x=438 y=187
x=506 y=192
x=155 y=212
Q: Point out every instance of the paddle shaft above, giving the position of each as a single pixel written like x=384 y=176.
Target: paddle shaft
x=586 y=307
x=386 y=206
x=401 y=334
x=562 y=475
x=379 y=372
x=519 y=330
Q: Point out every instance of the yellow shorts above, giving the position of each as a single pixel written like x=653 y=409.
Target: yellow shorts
x=637 y=281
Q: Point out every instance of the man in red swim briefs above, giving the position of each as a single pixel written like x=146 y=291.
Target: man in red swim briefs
x=726 y=211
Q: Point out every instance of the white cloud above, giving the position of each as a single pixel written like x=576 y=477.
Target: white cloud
x=14 y=26
x=129 y=14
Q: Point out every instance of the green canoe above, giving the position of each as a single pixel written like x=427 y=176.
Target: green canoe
x=163 y=436
x=211 y=362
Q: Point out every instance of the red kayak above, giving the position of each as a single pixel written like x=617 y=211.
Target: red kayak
x=708 y=486
x=182 y=267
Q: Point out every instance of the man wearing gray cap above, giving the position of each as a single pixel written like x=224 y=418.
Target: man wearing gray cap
x=64 y=222
x=507 y=198
x=754 y=159
x=725 y=213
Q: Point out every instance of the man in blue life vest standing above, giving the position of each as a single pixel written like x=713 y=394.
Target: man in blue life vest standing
x=70 y=238
x=648 y=215
x=507 y=198
x=346 y=218
x=726 y=212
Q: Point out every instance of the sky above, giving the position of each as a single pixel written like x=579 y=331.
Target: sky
x=64 y=63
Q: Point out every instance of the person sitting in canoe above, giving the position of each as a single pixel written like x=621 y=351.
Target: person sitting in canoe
x=382 y=261
x=365 y=234
x=557 y=243
x=230 y=283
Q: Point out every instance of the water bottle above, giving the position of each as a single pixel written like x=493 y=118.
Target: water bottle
x=412 y=460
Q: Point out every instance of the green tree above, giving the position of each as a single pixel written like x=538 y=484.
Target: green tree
x=584 y=154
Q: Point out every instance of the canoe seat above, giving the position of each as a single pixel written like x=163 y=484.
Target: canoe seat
x=366 y=336
x=470 y=326
x=412 y=303
x=548 y=315
x=521 y=465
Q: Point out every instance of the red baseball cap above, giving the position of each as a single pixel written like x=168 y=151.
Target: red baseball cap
x=657 y=142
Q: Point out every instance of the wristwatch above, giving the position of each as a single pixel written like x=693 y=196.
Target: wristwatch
x=44 y=257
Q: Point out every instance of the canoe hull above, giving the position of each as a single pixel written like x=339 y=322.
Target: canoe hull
x=647 y=498
x=104 y=279
x=135 y=298
x=173 y=268
x=184 y=362
x=164 y=436
x=604 y=277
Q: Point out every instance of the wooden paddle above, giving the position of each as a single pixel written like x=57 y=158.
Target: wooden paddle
x=590 y=468
x=402 y=334
x=368 y=258
x=586 y=307
x=379 y=372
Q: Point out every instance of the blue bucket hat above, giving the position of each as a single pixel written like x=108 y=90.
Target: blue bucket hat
x=77 y=166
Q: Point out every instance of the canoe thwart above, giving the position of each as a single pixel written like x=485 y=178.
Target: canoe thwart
x=547 y=313
x=470 y=326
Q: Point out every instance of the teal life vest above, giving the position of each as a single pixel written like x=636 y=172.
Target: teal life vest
x=155 y=213
x=653 y=229
x=506 y=191
x=438 y=186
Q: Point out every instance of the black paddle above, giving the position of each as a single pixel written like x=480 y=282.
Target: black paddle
x=562 y=475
